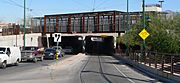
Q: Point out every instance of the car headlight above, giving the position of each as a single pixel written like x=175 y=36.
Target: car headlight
x=51 y=54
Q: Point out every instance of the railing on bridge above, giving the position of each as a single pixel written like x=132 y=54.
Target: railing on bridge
x=169 y=63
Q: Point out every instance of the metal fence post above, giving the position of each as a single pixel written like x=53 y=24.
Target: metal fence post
x=172 y=64
x=155 y=60
x=149 y=59
x=162 y=62
x=145 y=58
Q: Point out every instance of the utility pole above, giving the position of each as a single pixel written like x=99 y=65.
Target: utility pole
x=127 y=15
x=161 y=1
x=94 y=2
x=127 y=27
x=24 y=37
x=143 y=5
x=144 y=42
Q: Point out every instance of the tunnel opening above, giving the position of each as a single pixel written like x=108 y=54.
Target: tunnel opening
x=99 y=45
x=72 y=43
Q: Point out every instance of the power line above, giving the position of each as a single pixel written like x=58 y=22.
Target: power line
x=101 y=3
x=7 y=2
x=94 y=3
x=83 y=5
x=13 y=3
x=30 y=3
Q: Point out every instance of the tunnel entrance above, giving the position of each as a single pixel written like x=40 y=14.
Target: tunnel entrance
x=70 y=44
x=99 y=45
x=90 y=45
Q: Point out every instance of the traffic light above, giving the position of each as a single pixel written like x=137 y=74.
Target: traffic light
x=147 y=21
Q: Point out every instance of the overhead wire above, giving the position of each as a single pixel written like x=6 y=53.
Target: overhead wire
x=15 y=3
x=96 y=6
x=94 y=3
x=102 y=3
x=12 y=2
x=7 y=2
x=30 y=3
x=81 y=4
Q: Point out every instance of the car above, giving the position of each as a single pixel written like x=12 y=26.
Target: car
x=49 y=53
x=59 y=51
x=32 y=53
x=68 y=50
x=9 y=55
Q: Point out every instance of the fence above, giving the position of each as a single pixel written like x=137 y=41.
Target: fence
x=168 y=63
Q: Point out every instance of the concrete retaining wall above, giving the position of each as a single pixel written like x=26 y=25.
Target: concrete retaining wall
x=11 y=40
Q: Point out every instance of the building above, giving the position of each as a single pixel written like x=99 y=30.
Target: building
x=9 y=29
x=153 y=7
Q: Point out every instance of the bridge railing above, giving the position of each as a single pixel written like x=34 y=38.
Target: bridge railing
x=166 y=62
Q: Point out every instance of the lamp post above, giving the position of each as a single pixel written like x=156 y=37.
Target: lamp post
x=127 y=14
x=143 y=5
x=127 y=20
x=144 y=42
x=24 y=37
x=161 y=1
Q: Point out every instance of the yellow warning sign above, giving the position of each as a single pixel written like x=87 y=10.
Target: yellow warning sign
x=144 y=34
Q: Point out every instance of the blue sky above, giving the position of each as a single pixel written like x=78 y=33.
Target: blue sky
x=12 y=10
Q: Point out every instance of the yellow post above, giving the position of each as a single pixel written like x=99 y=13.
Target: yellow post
x=57 y=56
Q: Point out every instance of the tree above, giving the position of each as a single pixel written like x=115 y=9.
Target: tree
x=163 y=35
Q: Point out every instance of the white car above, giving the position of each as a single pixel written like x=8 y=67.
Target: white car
x=9 y=55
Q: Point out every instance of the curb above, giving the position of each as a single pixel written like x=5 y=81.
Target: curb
x=165 y=77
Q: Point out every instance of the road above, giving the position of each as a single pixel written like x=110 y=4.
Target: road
x=75 y=69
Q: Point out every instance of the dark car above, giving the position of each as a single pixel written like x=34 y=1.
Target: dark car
x=68 y=50
x=50 y=53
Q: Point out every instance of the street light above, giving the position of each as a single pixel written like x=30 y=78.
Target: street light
x=127 y=20
x=161 y=1
x=127 y=14
x=143 y=5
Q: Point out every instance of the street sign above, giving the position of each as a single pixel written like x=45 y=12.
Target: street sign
x=57 y=37
x=144 y=34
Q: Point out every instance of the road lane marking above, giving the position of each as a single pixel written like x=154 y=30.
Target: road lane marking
x=123 y=74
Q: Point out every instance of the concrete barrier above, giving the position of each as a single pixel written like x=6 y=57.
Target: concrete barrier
x=165 y=77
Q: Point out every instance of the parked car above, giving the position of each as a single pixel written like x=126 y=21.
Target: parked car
x=32 y=53
x=68 y=49
x=9 y=55
x=50 y=53
x=59 y=51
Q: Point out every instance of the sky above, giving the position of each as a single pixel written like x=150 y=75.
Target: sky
x=12 y=10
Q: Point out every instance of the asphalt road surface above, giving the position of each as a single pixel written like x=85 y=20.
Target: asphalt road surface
x=75 y=69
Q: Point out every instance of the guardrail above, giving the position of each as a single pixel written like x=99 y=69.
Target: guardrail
x=165 y=62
